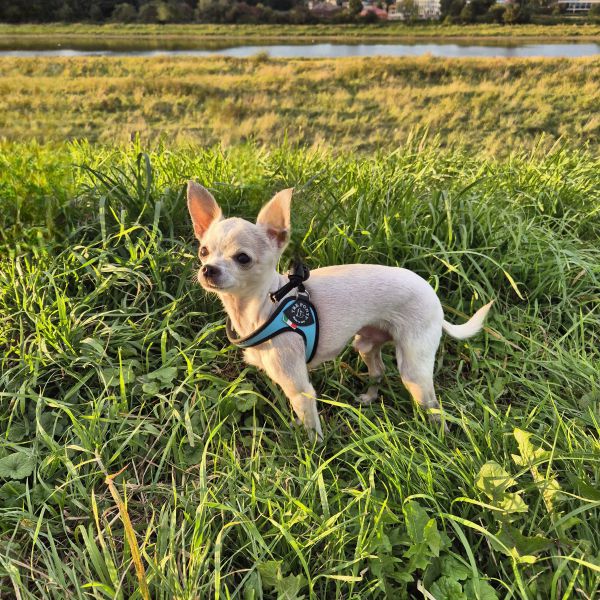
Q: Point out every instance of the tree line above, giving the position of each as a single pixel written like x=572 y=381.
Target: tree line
x=255 y=11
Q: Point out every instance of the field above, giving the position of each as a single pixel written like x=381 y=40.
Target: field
x=394 y=30
x=142 y=459
x=490 y=106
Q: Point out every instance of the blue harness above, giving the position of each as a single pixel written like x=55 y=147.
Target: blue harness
x=293 y=314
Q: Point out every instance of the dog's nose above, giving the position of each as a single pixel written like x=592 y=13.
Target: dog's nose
x=210 y=272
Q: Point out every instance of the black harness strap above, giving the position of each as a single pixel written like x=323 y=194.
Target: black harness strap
x=297 y=276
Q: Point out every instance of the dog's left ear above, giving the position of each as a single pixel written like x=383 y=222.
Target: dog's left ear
x=275 y=217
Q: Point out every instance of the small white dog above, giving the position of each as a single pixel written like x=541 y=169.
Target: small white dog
x=375 y=304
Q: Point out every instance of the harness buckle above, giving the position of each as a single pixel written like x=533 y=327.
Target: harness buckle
x=302 y=293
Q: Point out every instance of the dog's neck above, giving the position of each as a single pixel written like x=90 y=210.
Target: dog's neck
x=249 y=312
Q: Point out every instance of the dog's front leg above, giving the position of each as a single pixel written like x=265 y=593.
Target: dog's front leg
x=288 y=369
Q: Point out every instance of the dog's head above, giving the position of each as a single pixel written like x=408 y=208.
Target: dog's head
x=238 y=257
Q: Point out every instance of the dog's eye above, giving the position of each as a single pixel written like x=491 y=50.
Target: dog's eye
x=242 y=258
x=203 y=251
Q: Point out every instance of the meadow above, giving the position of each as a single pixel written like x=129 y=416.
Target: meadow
x=142 y=459
x=139 y=456
x=489 y=106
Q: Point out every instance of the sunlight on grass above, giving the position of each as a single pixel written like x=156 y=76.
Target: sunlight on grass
x=489 y=106
x=114 y=363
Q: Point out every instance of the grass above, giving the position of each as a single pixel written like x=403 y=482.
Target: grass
x=489 y=106
x=141 y=459
x=575 y=30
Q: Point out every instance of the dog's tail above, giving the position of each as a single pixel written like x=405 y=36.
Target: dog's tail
x=471 y=327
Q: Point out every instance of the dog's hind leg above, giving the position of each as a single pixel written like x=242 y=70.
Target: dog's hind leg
x=415 y=362
x=367 y=343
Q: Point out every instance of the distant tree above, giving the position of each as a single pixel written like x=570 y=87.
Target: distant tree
x=452 y=7
x=32 y=11
x=467 y=14
x=512 y=14
x=95 y=13
x=409 y=9
x=595 y=10
x=124 y=13
x=157 y=11
x=355 y=6
x=280 y=4
x=496 y=13
x=516 y=13
x=480 y=7
x=65 y=13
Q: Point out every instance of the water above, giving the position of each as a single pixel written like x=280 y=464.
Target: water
x=149 y=48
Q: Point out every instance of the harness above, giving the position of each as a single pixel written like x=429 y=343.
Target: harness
x=296 y=314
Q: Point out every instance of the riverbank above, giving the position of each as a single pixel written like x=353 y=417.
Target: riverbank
x=389 y=31
x=489 y=106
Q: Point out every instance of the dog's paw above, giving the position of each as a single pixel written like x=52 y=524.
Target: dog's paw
x=367 y=398
x=436 y=418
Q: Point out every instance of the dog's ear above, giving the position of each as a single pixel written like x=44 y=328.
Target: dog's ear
x=203 y=208
x=275 y=217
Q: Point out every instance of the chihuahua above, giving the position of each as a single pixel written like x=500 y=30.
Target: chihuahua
x=373 y=304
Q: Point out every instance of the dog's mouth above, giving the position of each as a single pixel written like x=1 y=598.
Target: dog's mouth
x=211 y=285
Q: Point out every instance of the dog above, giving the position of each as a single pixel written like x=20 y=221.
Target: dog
x=373 y=304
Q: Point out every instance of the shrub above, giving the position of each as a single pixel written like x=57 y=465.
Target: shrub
x=124 y=13
x=496 y=13
x=466 y=14
x=355 y=6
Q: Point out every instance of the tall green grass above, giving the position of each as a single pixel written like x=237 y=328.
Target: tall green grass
x=129 y=425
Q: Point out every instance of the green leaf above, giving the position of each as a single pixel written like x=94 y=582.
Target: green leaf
x=245 y=402
x=512 y=538
x=446 y=588
x=92 y=347
x=513 y=503
x=160 y=378
x=453 y=568
x=529 y=453
x=416 y=520
x=17 y=465
x=287 y=588
x=151 y=388
x=11 y=493
x=432 y=537
x=270 y=572
x=17 y=432
x=493 y=480
x=112 y=375
x=420 y=556
x=252 y=587
x=486 y=591
x=383 y=565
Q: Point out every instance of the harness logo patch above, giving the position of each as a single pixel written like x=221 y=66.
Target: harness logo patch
x=298 y=315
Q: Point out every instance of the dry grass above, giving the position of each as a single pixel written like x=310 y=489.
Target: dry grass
x=358 y=104
x=576 y=30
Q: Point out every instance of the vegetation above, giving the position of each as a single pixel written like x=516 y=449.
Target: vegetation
x=252 y=11
x=390 y=30
x=142 y=459
x=489 y=106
